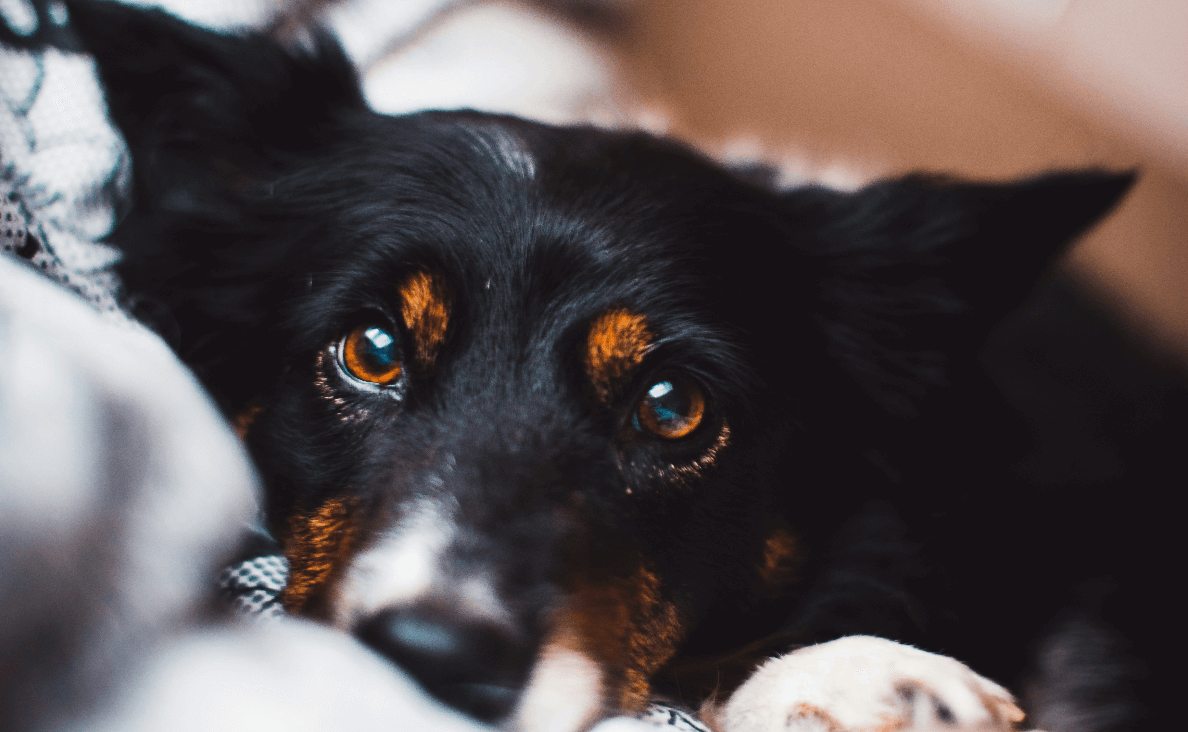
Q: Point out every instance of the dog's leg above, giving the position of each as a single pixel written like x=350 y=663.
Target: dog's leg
x=866 y=684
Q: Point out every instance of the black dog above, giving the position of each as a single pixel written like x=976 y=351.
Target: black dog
x=519 y=391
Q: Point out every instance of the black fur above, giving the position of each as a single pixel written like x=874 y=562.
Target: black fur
x=838 y=334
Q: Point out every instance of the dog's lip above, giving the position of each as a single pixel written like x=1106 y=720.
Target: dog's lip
x=489 y=690
x=487 y=702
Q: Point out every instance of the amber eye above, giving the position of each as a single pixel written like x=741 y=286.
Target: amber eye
x=370 y=353
x=672 y=407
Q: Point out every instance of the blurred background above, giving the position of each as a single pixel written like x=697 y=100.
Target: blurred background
x=834 y=90
x=982 y=88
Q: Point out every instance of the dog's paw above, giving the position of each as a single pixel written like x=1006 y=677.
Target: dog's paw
x=865 y=684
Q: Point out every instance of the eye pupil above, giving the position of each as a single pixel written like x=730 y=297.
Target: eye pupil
x=671 y=408
x=379 y=346
x=666 y=403
x=370 y=353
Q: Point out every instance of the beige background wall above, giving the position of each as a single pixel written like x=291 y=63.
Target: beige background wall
x=887 y=86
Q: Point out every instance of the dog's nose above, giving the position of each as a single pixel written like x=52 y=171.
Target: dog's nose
x=472 y=665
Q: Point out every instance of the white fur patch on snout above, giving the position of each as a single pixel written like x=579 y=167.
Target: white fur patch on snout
x=403 y=566
x=564 y=694
x=410 y=564
x=865 y=684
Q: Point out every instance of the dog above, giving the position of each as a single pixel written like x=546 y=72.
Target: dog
x=552 y=412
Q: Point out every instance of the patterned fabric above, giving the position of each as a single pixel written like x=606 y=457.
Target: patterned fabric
x=670 y=718
x=64 y=169
x=252 y=588
x=14 y=227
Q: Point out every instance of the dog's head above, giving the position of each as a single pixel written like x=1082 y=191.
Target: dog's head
x=532 y=402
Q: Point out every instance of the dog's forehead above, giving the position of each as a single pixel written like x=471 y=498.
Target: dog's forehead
x=536 y=231
x=519 y=210
x=502 y=146
x=471 y=159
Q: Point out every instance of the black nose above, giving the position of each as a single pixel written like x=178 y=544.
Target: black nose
x=471 y=664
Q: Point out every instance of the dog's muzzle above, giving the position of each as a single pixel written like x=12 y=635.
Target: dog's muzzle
x=469 y=663
x=428 y=596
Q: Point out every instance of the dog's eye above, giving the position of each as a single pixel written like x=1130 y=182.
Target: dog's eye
x=370 y=353
x=672 y=407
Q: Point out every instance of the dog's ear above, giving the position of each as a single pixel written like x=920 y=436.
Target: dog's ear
x=213 y=121
x=201 y=110
x=914 y=272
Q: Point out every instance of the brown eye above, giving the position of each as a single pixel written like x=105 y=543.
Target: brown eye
x=672 y=407
x=370 y=353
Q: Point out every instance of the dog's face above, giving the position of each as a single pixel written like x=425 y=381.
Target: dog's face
x=532 y=403
x=509 y=402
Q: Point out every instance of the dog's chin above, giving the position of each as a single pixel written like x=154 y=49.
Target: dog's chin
x=565 y=692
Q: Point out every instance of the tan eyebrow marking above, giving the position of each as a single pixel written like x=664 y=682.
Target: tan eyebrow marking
x=618 y=341
x=426 y=313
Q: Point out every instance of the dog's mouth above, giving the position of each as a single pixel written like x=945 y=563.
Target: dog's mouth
x=487 y=702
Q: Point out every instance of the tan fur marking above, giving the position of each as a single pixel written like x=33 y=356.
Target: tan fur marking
x=808 y=711
x=426 y=313
x=618 y=341
x=317 y=545
x=629 y=628
x=1000 y=710
x=781 y=561
x=242 y=422
x=652 y=639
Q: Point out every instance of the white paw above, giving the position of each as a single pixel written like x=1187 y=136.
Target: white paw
x=865 y=684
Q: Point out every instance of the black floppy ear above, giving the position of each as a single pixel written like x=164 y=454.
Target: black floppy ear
x=914 y=272
x=200 y=108
x=213 y=121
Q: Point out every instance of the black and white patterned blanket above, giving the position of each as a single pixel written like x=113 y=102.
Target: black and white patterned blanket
x=64 y=169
